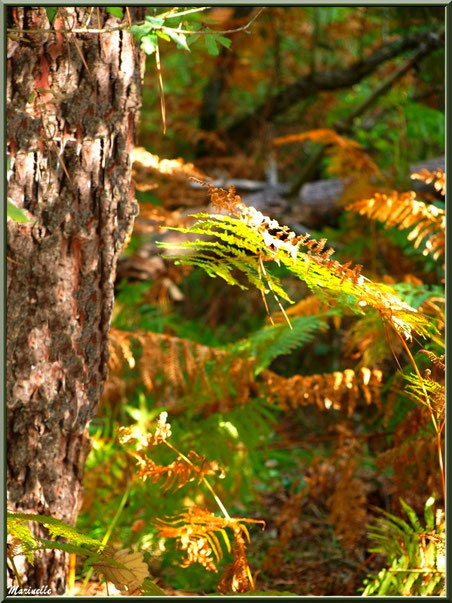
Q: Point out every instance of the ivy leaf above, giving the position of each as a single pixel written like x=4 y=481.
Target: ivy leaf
x=211 y=45
x=17 y=214
x=179 y=38
x=51 y=12
x=116 y=11
x=149 y=43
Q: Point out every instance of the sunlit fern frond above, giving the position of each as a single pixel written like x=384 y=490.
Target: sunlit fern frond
x=438 y=178
x=179 y=472
x=436 y=392
x=202 y=535
x=403 y=211
x=338 y=390
x=248 y=238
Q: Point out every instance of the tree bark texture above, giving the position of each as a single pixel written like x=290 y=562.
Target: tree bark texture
x=72 y=108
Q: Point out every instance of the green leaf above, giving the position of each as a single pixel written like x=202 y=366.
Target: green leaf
x=51 y=12
x=149 y=43
x=164 y=36
x=211 y=45
x=139 y=31
x=116 y=11
x=179 y=38
x=223 y=41
x=17 y=214
x=150 y=589
x=155 y=21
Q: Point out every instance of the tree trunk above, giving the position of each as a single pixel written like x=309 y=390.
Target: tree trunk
x=73 y=102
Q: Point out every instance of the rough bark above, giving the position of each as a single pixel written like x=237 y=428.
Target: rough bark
x=72 y=107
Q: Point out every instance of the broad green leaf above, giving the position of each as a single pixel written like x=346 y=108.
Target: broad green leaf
x=17 y=214
x=51 y=12
x=149 y=43
x=223 y=41
x=139 y=31
x=211 y=45
x=155 y=21
x=116 y=11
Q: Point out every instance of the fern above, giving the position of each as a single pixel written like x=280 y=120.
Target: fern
x=56 y=528
x=415 y=553
x=247 y=239
x=402 y=210
x=270 y=342
x=126 y=570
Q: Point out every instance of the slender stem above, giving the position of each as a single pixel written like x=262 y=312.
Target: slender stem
x=209 y=487
x=173 y=15
x=16 y=573
x=108 y=533
x=432 y=415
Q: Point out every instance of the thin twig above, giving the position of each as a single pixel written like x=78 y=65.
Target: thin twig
x=162 y=92
x=154 y=28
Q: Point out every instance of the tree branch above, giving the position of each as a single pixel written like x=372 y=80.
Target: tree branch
x=333 y=80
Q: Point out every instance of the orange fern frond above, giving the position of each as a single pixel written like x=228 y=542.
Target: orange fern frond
x=197 y=532
x=402 y=210
x=338 y=390
x=348 y=158
x=438 y=178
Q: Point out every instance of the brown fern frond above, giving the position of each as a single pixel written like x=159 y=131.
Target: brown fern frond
x=403 y=211
x=237 y=576
x=348 y=156
x=413 y=458
x=438 y=361
x=198 y=532
x=438 y=178
x=338 y=390
x=178 y=473
x=348 y=502
x=175 y=367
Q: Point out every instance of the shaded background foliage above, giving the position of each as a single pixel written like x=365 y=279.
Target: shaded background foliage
x=185 y=343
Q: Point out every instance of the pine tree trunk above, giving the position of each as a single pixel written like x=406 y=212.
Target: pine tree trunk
x=72 y=107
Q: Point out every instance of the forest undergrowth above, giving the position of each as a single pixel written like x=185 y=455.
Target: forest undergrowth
x=273 y=421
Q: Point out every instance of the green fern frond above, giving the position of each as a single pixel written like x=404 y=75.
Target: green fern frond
x=277 y=340
x=415 y=554
x=245 y=241
x=57 y=528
